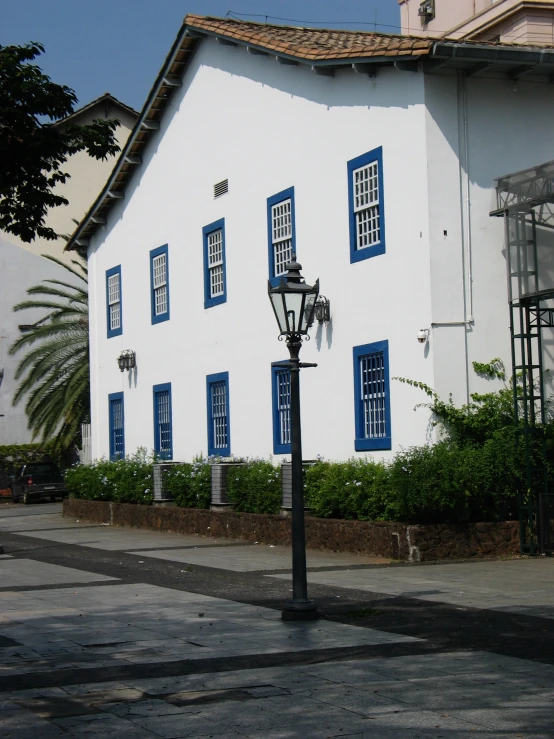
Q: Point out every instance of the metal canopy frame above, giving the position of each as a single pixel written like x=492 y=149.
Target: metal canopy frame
x=526 y=201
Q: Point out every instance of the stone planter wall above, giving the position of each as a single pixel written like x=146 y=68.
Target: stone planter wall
x=391 y=540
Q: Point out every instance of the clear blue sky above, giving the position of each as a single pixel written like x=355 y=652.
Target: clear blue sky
x=118 y=46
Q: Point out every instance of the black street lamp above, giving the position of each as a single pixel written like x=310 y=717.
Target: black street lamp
x=293 y=304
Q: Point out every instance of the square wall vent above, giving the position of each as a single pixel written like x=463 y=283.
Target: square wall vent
x=221 y=188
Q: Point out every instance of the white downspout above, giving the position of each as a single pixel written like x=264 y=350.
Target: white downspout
x=465 y=208
x=465 y=194
x=465 y=218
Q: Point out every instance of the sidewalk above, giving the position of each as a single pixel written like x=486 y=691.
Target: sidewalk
x=122 y=632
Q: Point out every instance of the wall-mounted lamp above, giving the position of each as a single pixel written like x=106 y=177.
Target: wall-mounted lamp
x=127 y=360
x=423 y=335
x=322 y=311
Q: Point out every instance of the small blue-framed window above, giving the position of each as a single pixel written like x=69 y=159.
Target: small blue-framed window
x=281 y=232
x=117 y=425
x=372 y=396
x=159 y=284
x=366 y=205
x=280 y=389
x=215 y=280
x=163 y=429
x=114 y=313
x=217 y=396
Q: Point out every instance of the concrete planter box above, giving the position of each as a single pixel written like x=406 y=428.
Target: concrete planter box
x=161 y=495
x=219 y=485
x=392 y=540
x=286 y=484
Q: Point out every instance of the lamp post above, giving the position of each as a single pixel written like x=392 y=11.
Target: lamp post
x=293 y=303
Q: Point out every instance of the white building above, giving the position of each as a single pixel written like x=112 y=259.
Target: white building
x=22 y=265
x=250 y=127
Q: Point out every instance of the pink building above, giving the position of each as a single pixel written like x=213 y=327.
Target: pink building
x=517 y=21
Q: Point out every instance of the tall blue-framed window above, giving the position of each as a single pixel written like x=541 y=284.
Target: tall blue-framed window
x=217 y=395
x=372 y=396
x=281 y=232
x=113 y=301
x=280 y=388
x=159 y=284
x=215 y=282
x=163 y=430
x=117 y=425
x=366 y=205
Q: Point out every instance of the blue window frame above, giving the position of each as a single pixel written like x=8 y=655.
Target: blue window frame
x=215 y=279
x=163 y=428
x=366 y=204
x=117 y=425
x=372 y=396
x=281 y=232
x=114 y=313
x=217 y=396
x=159 y=284
x=280 y=388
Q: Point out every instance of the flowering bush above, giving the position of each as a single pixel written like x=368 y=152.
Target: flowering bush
x=126 y=480
x=356 y=489
x=190 y=484
x=255 y=487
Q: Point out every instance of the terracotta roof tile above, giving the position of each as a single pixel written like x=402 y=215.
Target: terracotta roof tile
x=315 y=44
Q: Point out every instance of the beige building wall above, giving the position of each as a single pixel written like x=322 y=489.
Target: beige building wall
x=87 y=177
x=510 y=21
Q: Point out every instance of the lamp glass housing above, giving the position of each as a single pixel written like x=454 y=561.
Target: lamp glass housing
x=293 y=301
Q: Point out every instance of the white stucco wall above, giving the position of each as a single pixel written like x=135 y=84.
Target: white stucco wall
x=266 y=127
x=19 y=270
x=499 y=118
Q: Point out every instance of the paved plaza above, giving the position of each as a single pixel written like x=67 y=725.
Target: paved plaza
x=114 y=632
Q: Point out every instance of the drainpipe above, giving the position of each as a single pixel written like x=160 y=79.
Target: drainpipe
x=465 y=194
x=465 y=210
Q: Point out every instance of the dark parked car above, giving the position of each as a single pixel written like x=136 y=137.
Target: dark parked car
x=38 y=481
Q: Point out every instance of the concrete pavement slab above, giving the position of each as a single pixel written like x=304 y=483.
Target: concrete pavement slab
x=256 y=557
x=524 y=586
x=182 y=660
x=26 y=572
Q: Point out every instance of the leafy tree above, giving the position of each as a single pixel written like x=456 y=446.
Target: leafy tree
x=33 y=151
x=54 y=372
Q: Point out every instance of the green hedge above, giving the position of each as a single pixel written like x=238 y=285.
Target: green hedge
x=190 y=485
x=356 y=489
x=442 y=483
x=255 y=487
x=123 y=481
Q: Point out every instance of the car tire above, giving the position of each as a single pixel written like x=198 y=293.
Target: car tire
x=26 y=498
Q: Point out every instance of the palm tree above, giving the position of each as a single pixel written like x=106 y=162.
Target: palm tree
x=54 y=372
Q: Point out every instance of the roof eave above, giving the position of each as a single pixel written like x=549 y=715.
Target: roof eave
x=487 y=52
x=439 y=53
x=79 y=237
